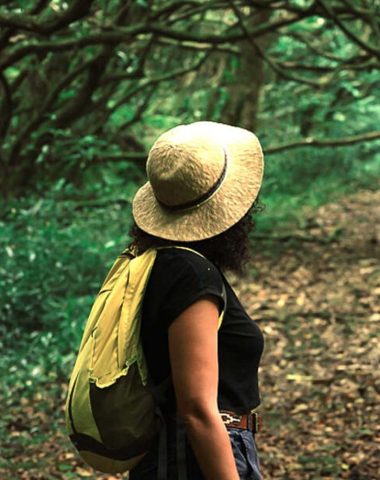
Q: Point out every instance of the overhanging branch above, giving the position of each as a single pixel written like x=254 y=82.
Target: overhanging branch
x=25 y=22
x=147 y=83
x=318 y=143
x=270 y=61
x=118 y=35
x=366 y=46
x=307 y=142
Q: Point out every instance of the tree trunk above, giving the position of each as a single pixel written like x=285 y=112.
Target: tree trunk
x=242 y=103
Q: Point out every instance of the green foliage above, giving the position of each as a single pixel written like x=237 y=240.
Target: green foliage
x=81 y=119
x=54 y=253
x=68 y=187
x=310 y=180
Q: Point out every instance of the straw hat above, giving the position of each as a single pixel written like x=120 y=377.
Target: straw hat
x=203 y=178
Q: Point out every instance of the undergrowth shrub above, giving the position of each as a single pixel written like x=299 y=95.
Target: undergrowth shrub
x=52 y=260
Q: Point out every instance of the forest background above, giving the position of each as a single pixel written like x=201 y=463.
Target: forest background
x=86 y=87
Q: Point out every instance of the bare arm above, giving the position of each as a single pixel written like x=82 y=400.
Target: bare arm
x=194 y=361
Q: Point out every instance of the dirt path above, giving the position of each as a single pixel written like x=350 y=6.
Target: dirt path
x=317 y=303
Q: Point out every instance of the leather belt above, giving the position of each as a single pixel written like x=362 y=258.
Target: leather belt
x=250 y=421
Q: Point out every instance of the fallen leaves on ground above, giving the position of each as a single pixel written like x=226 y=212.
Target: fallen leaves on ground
x=317 y=302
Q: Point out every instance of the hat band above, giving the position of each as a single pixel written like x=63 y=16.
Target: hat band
x=203 y=198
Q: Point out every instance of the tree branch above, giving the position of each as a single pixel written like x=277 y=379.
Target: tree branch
x=118 y=35
x=6 y=107
x=365 y=65
x=75 y=11
x=125 y=156
x=77 y=107
x=46 y=106
x=332 y=142
x=8 y=32
x=258 y=31
x=366 y=15
x=155 y=81
x=202 y=8
x=199 y=47
x=356 y=62
x=139 y=111
x=275 y=66
x=166 y=11
x=320 y=52
x=366 y=46
x=338 y=142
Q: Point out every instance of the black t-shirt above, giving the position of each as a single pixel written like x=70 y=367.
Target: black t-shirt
x=179 y=278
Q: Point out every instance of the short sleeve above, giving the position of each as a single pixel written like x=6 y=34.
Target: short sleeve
x=180 y=278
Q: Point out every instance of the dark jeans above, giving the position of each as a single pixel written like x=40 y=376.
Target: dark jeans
x=243 y=446
x=245 y=453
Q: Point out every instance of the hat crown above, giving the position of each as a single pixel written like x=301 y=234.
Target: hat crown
x=203 y=177
x=183 y=165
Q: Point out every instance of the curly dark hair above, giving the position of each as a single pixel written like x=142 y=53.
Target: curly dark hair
x=230 y=250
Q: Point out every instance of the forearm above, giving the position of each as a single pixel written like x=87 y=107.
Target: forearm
x=212 y=447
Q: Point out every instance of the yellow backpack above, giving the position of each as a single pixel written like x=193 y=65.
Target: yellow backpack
x=110 y=409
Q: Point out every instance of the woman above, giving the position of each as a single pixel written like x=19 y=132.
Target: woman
x=204 y=179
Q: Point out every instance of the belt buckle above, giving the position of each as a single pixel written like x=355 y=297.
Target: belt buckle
x=228 y=418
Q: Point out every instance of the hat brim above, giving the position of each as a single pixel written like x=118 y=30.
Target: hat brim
x=226 y=207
